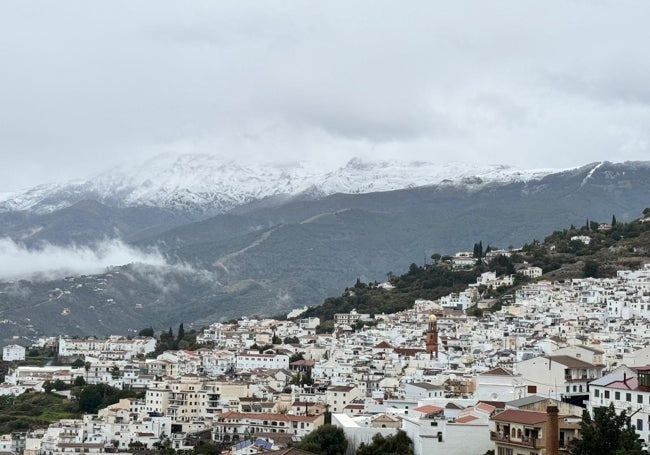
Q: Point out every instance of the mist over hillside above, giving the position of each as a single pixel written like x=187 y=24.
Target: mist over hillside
x=266 y=257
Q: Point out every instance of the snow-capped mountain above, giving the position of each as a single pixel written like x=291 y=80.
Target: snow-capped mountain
x=203 y=183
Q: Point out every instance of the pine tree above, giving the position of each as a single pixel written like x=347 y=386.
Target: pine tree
x=478 y=250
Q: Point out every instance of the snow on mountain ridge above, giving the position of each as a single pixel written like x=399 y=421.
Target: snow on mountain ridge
x=203 y=183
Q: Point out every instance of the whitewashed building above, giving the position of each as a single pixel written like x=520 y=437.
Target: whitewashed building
x=13 y=352
x=250 y=361
x=111 y=348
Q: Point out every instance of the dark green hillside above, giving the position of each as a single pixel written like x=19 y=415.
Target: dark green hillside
x=34 y=410
x=623 y=245
x=418 y=283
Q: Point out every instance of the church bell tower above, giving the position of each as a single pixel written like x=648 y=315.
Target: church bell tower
x=431 y=337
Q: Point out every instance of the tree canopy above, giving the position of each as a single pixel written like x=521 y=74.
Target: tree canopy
x=607 y=433
x=325 y=440
x=398 y=444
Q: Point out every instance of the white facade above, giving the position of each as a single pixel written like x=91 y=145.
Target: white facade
x=261 y=361
x=626 y=389
x=422 y=391
x=531 y=272
x=13 y=352
x=112 y=348
x=499 y=384
x=558 y=375
x=338 y=397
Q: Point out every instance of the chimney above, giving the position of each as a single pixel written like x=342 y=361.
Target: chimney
x=552 y=431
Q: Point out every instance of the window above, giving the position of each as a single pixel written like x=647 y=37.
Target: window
x=628 y=397
x=639 y=398
x=617 y=395
x=596 y=393
x=607 y=394
x=639 y=424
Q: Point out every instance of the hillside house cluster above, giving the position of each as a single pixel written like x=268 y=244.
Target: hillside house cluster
x=513 y=381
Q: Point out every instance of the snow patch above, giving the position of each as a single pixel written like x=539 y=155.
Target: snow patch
x=203 y=183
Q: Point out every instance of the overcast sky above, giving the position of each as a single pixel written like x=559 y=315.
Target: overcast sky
x=87 y=85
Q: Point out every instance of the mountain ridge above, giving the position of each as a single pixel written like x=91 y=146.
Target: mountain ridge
x=202 y=184
x=267 y=259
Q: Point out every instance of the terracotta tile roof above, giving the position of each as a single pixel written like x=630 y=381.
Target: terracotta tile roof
x=519 y=416
x=498 y=371
x=429 y=409
x=485 y=407
x=339 y=388
x=466 y=419
x=570 y=362
x=628 y=384
x=383 y=345
x=496 y=404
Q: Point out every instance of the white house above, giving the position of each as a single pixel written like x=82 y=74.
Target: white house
x=499 y=384
x=111 y=348
x=13 y=352
x=251 y=361
x=338 y=397
x=422 y=391
x=558 y=375
x=531 y=272
x=628 y=390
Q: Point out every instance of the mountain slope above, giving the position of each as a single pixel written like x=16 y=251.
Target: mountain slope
x=267 y=260
x=87 y=222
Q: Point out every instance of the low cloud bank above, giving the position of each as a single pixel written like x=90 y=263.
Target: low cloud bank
x=52 y=261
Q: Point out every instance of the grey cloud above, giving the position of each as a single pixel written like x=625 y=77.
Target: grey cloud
x=85 y=86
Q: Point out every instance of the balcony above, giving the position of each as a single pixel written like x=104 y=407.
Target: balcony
x=525 y=441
